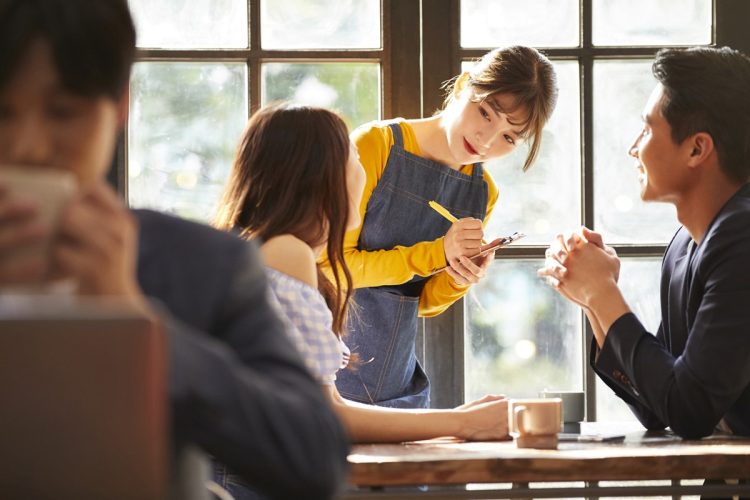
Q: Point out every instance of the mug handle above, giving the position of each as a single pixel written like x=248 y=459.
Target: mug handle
x=518 y=413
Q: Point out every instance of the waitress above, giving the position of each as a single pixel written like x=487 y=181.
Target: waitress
x=406 y=259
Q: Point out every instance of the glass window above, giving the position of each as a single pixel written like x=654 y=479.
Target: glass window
x=639 y=282
x=539 y=23
x=547 y=198
x=621 y=89
x=185 y=121
x=194 y=24
x=521 y=336
x=319 y=24
x=189 y=109
x=352 y=89
x=646 y=22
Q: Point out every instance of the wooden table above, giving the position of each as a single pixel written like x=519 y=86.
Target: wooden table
x=576 y=468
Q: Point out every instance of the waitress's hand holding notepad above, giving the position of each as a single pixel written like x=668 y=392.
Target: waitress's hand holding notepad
x=485 y=248
x=493 y=246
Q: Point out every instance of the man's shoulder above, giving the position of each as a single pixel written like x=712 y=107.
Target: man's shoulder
x=165 y=227
x=732 y=224
x=164 y=236
x=190 y=266
x=736 y=212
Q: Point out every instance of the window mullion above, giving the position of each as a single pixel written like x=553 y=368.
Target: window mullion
x=443 y=335
x=403 y=53
x=730 y=24
x=586 y=64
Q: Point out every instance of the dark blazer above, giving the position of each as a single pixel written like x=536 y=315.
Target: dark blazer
x=238 y=388
x=696 y=370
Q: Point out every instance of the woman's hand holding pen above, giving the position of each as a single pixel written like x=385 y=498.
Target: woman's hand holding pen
x=462 y=241
x=463 y=238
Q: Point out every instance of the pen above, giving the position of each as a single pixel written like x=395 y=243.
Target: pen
x=441 y=210
x=445 y=213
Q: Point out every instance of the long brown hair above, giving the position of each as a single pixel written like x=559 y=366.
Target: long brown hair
x=527 y=75
x=289 y=177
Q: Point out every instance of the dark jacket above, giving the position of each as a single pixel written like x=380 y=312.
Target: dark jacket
x=238 y=388
x=696 y=370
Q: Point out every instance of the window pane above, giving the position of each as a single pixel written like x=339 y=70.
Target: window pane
x=351 y=89
x=646 y=22
x=185 y=122
x=521 y=336
x=621 y=89
x=539 y=23
x=546 y=199
x=639 y=281
x=320 y=24
x=194 y=24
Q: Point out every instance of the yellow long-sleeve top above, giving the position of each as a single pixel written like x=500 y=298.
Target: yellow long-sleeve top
x=400 y=264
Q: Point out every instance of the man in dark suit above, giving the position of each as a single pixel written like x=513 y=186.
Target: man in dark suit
x=693 y=152
x=237 y=387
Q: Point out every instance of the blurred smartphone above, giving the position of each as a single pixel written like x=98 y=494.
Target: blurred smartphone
x=590 y=438
x=492 y=246
x=497 y=243
x=48 y=188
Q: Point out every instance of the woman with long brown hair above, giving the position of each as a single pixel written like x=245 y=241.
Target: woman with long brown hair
x=295 y=187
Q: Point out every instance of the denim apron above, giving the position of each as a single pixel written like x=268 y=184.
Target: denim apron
x=384 y=328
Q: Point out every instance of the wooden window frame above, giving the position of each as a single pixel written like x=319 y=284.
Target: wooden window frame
x=420 y=51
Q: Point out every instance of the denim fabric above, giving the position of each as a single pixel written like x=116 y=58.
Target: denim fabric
x=234 y=484
x=383 y=332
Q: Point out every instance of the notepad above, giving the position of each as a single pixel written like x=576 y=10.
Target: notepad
x=497 y=243
x=493 y=246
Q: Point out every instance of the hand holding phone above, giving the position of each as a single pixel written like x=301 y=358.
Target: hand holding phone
x=497 y=243
x=492 y=246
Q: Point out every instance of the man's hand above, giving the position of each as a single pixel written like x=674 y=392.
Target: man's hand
x=97 y=246
x=580 y=266
x=596 y=239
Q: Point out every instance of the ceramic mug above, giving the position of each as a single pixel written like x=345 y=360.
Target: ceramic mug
x=535 y=417
x=49 y=189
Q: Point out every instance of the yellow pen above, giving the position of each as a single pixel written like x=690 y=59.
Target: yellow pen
x=442 y=210
x=445 y=213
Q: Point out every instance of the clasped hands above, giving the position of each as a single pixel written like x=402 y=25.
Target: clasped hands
x=581 y=267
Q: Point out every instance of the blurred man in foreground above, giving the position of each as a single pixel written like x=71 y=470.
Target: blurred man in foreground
x=236 y=385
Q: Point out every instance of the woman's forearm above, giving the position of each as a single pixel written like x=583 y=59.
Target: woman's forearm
x=376 y=424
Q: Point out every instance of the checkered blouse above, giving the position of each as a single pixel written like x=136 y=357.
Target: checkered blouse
x=308 y=322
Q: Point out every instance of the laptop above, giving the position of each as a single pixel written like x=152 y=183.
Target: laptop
x=82 y=402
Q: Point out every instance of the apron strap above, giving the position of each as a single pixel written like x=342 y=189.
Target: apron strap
x=398 y=137
x=478 y=171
